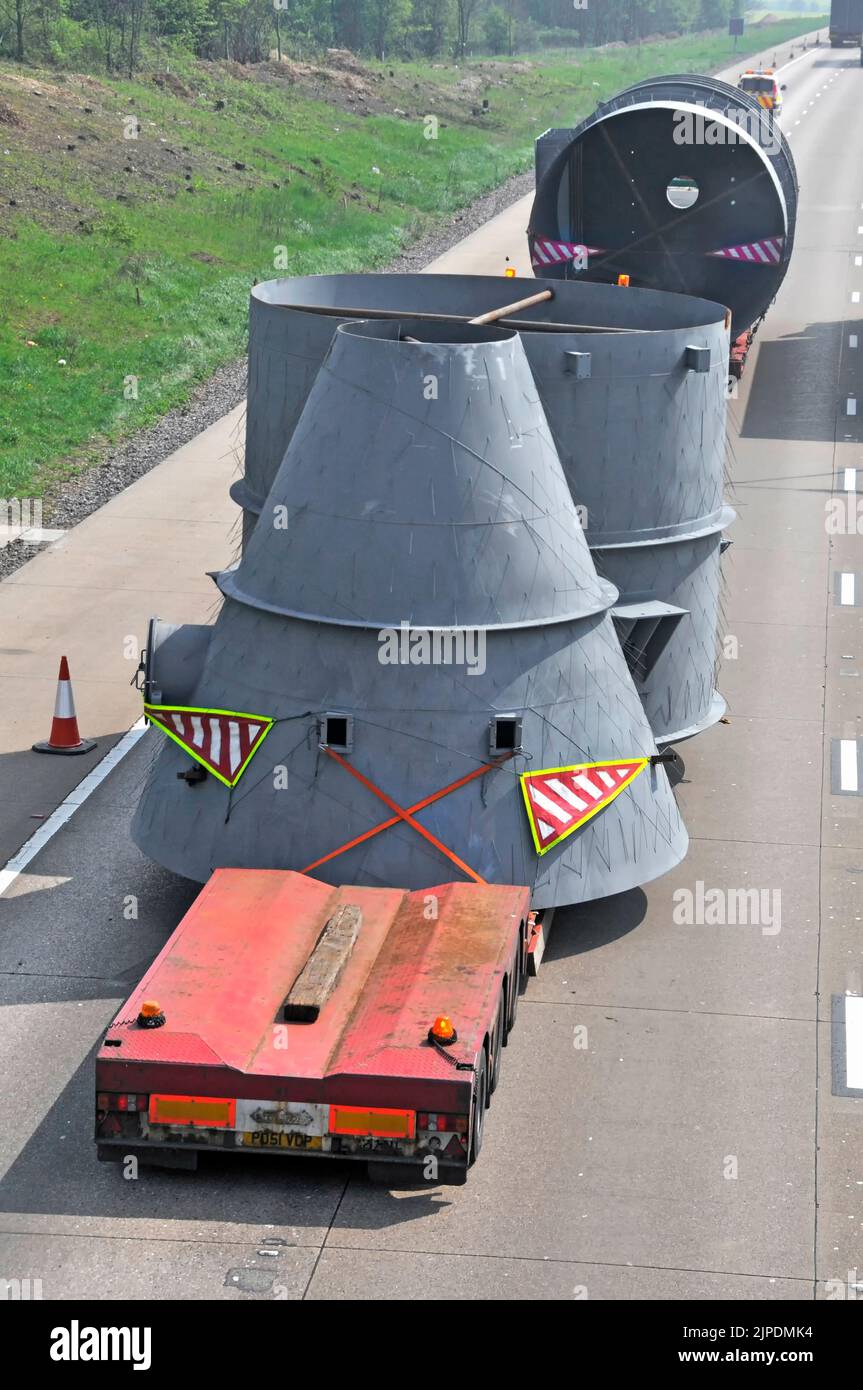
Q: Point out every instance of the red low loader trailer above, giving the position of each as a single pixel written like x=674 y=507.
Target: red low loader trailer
x=288 y=1016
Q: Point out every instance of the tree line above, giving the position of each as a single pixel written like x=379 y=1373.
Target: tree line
x=120 y=33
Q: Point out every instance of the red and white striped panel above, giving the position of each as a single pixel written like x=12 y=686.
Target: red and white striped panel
x=546 y=252
x=768 y=251
x=221 y=742
x=560 y=799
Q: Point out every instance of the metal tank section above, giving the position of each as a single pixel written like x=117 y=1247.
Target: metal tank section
x=633 y=384
x=420 y=500
x=652 y=407
x=683 y=183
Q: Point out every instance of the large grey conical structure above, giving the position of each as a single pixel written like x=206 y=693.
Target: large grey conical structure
x=421 y=488
x=634 y=390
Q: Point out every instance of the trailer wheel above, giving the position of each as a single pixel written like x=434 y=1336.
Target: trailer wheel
x=517 y=977
x=497 y=1041
x=479 y=1108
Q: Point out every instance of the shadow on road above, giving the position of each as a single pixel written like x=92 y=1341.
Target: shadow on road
x=799 y=390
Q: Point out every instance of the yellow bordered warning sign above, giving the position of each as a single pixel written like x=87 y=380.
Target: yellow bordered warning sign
x=560 y=799
x=223 y=741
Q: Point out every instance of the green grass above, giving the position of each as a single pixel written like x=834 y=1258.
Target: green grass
x=126 y=314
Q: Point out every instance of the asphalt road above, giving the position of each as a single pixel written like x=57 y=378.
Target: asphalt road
x=694 y=1147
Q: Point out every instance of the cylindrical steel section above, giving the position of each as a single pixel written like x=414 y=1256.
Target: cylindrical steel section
x=683 y=183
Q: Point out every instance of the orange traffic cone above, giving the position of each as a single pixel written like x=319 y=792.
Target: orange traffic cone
x=64 y=730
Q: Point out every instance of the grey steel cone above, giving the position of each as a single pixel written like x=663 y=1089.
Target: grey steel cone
x=636 y=405
x=424 y=502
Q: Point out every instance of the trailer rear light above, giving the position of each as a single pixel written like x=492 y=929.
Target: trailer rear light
x=443 y=1124
x=623 y=280
x=125 y=1102
x=383 y=1124
x=209 y=1112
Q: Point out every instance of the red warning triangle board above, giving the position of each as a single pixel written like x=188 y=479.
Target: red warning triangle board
x=560 y=799
x=220 y=740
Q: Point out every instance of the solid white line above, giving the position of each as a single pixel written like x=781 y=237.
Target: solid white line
x=854 y=1042
x=846 y=589
x=848 y=764
x=792 y=61
x=849 y=479
x=67 y=808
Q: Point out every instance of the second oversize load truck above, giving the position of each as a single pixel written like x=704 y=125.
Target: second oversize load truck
x=679 y=183
x=846 y=23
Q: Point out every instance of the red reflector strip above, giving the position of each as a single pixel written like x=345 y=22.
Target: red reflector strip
x=207 y=1111
x=384 y=1124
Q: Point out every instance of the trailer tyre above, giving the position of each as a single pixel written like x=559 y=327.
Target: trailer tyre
x=479 y=1108
x=497 y=1042
x=517 y=977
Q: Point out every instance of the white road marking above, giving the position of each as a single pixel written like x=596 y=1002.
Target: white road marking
x=846 y=589
x=790 y=64
x=848 y=764
x=854 y=1042
x=858 y=260
x=67 y=808
x=852 y=340
x=849 y=479
x=851 y=406
x=855 y=298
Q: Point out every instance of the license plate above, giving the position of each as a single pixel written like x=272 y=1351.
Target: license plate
x=272 y=1139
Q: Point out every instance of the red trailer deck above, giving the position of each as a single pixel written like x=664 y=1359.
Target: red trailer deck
x=224 y=1062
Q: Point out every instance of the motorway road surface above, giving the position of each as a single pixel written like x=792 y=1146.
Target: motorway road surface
x=695 y=1147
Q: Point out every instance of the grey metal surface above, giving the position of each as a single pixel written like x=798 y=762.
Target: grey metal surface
x=451 y=512
x=640 y=433
x=603 y=184
x=435 y=461
x=289 y=336
x=642 y=443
